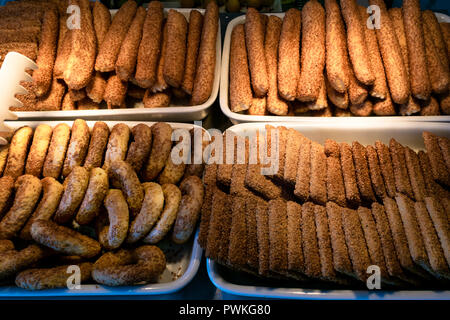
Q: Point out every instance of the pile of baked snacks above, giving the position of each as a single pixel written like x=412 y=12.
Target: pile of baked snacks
x=331 y=211
x=138 y=54
x=98 y=199
x=327 y=62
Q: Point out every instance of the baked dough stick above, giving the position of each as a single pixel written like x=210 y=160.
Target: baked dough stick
x=432 y=187
x=49 y=278
x=387 y=242
x=431 y=242
x=220 y=210
x=12 y=261
x=7 y=187
x=373 y=243
x=294 y=142
x=78 y=146
x=295 y=260
x=6 y=245
x=206 y=62
x=3 y=157
x=362 y=172
x=95 y=193
x=115 y=233
x=52 y=192
x=289 y=55
x=275 y=105
x=336 y=47
x=379 y=88
x=357 y=91
x=96 y=88
x=77 y=95
x=260 y=184
x=52 y=100
x=237 y=250
x=129 y=182
x=240 y=90
x=302 y=180
x=349 y=175
x=75 y=187
x=252 y=232
x=258 y=107
x=318 y=188
x=399 y=236
x=278 y=255
x=440 y=222
x=102 y=20
x=192 y=46
x=28 y=190
x=341 y=259
x=38 y=150
x=110 y=47
x=375 y=172
x=117 y=144
x=402 y=182
x=312 y=52
x=229 y=156
x=126 y=61
x=18 y=150
x=432 y=25
x=176 y=48
x=439 y=75
x=415 y=174
x=56 y=151
x=414 y=31
x=64 y=240
x=335 y=181
x=150 y=46
x=115 y=92
x=254 y=36
x=445 y=29
x=356 y=42
x=80 y=64
x=310 y=246
x=162 y=144
x=356 y=244
x=363 y=109
x=262 y=225
x=97 y=145
x=412 y=231
x=437 y=161
x=396 y=72
x=47 y=52
x=152 y=206
x=139 y=148
x=386 y=168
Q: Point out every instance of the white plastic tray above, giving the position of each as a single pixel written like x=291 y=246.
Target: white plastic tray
x=183 y=261
x=171 y=113
x=236 y=118
x=407 y=133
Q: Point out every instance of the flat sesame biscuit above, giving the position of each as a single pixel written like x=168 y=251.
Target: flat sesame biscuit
x=309 y=242
x=294 y=237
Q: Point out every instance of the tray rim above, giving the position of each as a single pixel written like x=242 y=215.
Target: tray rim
x=236 y=118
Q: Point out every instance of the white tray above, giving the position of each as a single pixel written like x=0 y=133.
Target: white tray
x=171 y=113
x=407 y=133
x=236 y=118
x=183 y=261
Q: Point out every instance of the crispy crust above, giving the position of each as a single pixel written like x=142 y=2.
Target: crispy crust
x=415 y=174
x=237 y=250
x=7 y=187
x=362 y=172
x=254 y=36
x=57 y=277
x=289 y=55
x=63 y=239
x=18 y=150
x=303 y=172
x=56 y=151
x=52 y=192
x=309 y=242
x=335 y=182
x=117 y=144
x=161 y=147
x=75 y=187
x=294 y=142
x=348 y=173
x=128 y=267
x=95 y=193
x=278 y=255
x=38 y=150
x=438 y=167
x=139 y=148
x=97 y=145
x=262 y=223
x=375 y=172
x=13 y=261
x=78 y=146
x=28 y=190
x=312 y=52
x=386 y=168
x=437 y=214
x=318 y=188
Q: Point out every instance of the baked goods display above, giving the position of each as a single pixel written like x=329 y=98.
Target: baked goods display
x=332 y=60
x=137 y=58
x=330 y=211
x=99 y=198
